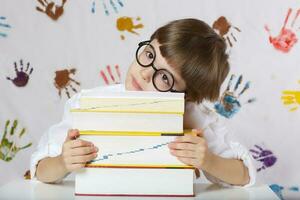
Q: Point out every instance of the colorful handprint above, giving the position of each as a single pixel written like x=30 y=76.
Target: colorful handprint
x=225 y=29
x=115 y=77
x=9 y=144
x=50 y=9
x=278 y=189
x=265 y=156
x=4 y=25
x=291 y=98
x=127 y=24
x=22 y=76
x=229 y=105
x=287 y=37
x=63 y=80
x=114 y=4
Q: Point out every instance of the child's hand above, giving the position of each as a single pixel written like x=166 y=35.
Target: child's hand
x=191 y=149
x=76 y=152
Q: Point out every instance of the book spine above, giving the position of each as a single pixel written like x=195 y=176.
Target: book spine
x=139 y=166
x=126 y=133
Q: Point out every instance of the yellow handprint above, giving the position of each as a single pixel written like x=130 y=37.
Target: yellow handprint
x=291 y=97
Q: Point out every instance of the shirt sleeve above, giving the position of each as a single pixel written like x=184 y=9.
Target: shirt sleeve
x=50 y=144
x=219 y=141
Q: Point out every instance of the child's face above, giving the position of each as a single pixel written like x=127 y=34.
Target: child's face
x=140 y=78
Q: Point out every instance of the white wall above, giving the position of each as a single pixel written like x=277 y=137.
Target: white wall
x=90 y=41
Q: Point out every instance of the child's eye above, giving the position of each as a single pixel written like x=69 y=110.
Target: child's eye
x=165 y=79
x=149 y=55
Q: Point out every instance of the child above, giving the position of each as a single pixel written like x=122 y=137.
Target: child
x=183 y=56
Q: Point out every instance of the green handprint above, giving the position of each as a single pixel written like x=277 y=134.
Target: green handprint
x=8 y=148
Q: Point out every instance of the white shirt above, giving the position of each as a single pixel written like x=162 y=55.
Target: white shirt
x=195 y=116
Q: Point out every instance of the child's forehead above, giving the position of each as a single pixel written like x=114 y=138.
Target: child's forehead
x=162 y=62
x=159 y=58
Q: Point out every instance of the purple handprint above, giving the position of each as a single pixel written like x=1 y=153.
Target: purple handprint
x=22 y=77
x=266 y=157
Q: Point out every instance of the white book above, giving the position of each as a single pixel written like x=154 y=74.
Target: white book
x=134 y=182
x=88 y=120
x=133 y=151
x=133 y=101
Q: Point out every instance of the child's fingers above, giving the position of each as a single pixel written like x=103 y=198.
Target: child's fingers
x=83 y=150
x=182 y=145
x=189 y=138
x=198 y=132
x=80 y=143
x=83 y=159
x=72 y=134
x=183 y=153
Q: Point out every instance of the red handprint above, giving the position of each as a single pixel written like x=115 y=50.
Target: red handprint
x=286 y=38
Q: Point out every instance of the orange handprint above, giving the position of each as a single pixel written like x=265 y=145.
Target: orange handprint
x=127 y=24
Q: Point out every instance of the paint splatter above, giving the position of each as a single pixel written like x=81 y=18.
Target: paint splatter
x=50 y=9
x=113 y=5
x=127 y=24
x=9 y=142
x=291 y=98
x=278 y=190
x=229 y=103
x=4 y=26
x=286 y=38
x=113 y=77
x=223 y=26
x=63 y=81
x=265 y=156
x=22 y=76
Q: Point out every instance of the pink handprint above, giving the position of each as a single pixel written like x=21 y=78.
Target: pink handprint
x=113 y=78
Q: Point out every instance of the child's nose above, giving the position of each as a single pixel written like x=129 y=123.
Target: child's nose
x=147 y=73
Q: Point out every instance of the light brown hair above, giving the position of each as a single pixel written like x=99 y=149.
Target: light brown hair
x=194 y=49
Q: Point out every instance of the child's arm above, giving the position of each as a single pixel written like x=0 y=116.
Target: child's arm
x=75 y=153
x=232 y=171
x=193 y=150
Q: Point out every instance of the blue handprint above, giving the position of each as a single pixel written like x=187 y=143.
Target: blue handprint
x=104 y=4
x=229 y=105
x=8 y=144
x=278 y=189
x=3 y=24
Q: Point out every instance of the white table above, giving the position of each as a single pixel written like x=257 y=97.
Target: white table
x=26 y=189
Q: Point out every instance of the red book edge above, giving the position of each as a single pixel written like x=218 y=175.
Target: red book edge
x=138 y=195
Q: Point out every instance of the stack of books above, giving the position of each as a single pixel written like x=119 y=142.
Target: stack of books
x=132 y=131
